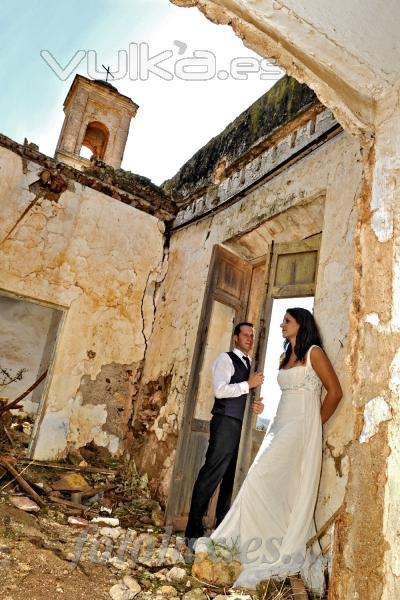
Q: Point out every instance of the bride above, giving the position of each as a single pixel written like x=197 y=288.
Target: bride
x=272 y=517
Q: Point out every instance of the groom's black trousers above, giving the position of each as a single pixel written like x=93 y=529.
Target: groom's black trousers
x=219 y=468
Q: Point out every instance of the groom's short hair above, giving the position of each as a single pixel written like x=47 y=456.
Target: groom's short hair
x=236 y=331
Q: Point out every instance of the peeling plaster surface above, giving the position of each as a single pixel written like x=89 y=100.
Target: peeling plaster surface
x=366 y=559
x=376 y=46
x=75 y=423
x=317 y=193
x=342 y=76
x=99 y=259
x=332 y=302
x=386 y=218
x=376 y=411
x=385 y=180
x=392 y=499
x=348 y=53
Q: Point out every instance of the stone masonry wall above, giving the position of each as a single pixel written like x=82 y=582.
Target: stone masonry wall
x=99 y=259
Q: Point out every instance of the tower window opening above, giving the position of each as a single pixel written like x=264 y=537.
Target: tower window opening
x=95 y=141
x=86 y=152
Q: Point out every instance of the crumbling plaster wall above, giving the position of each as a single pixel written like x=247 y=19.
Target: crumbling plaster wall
x=367 y=540
x=332 y=172
x=99 y=259
x=357 y=77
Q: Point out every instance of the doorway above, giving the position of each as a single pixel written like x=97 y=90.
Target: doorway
x=28 y=335
x=270 y=390
x=291 y=273
x=293 y=269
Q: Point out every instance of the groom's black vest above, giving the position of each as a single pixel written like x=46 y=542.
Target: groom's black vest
x=233 y=407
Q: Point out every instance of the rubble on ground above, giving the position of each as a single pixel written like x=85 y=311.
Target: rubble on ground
x=87 y=527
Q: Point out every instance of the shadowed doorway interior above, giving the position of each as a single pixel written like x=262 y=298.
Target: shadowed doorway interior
x=28 y=334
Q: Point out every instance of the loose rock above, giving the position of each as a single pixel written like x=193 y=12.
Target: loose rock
x=78 y=522
x=120 y=592
x=131 y=584
x=106 y=521
x=119 y=564
x=176 y=574
x=158 y=518
x=196 y=594
x=167 y=591
x=71 y=482
x=161 y=557
x=24 y=503
x=111 y=532
x=217 y=572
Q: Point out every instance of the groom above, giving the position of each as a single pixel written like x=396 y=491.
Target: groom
x=232 y=381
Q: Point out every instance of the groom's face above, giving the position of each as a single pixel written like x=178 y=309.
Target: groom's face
x=245 y=340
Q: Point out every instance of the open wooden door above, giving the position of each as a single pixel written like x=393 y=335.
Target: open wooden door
x=292 y=273
x=225 y=303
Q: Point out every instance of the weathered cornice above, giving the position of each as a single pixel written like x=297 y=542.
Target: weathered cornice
x=241 y=139
x=124 y=186
x=288 y=146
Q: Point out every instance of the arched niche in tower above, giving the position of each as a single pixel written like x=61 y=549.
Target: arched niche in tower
x=96 y=139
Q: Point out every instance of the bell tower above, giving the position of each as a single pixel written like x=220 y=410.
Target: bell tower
x=97 y=119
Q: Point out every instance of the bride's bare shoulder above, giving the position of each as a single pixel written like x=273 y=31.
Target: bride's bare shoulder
x=317 y=356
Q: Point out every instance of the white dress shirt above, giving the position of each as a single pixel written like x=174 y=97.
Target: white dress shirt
x=222 y=371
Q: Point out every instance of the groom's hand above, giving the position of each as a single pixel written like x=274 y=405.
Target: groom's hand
x=258 y=407
x=255 y=379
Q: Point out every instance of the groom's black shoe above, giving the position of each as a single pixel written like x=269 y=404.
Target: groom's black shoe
x=194 y=529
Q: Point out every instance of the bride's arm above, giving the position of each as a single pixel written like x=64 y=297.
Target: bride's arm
x=323 y=368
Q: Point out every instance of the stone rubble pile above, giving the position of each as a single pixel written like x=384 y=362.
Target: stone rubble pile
x=103 y=514
x=152 y=565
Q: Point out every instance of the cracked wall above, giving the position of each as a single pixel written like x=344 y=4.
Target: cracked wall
x=357 y=77
x=99 y=259
x=366 y=535
x=322 y=188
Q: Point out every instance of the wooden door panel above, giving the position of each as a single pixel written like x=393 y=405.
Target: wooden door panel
x=296 y=268
x=194 y=459
x=231 y=280
x=228 y=283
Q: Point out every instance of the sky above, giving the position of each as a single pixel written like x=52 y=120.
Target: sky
x=175 y=118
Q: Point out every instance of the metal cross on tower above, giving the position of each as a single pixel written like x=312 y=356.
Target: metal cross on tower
x=108 y=72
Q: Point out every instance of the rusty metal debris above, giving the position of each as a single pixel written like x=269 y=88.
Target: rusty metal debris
x=21 y=481
x=15 y=403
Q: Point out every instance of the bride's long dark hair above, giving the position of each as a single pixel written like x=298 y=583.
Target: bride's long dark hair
x=307 y=336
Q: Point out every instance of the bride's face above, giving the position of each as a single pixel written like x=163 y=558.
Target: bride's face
x=289 y=326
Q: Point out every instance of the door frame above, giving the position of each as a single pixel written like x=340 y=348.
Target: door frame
x=312 y=243
x=211 y=294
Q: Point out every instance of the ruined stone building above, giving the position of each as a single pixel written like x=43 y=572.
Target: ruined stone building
x=125 y=291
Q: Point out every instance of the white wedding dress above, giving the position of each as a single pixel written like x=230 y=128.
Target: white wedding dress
x=272 y=517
